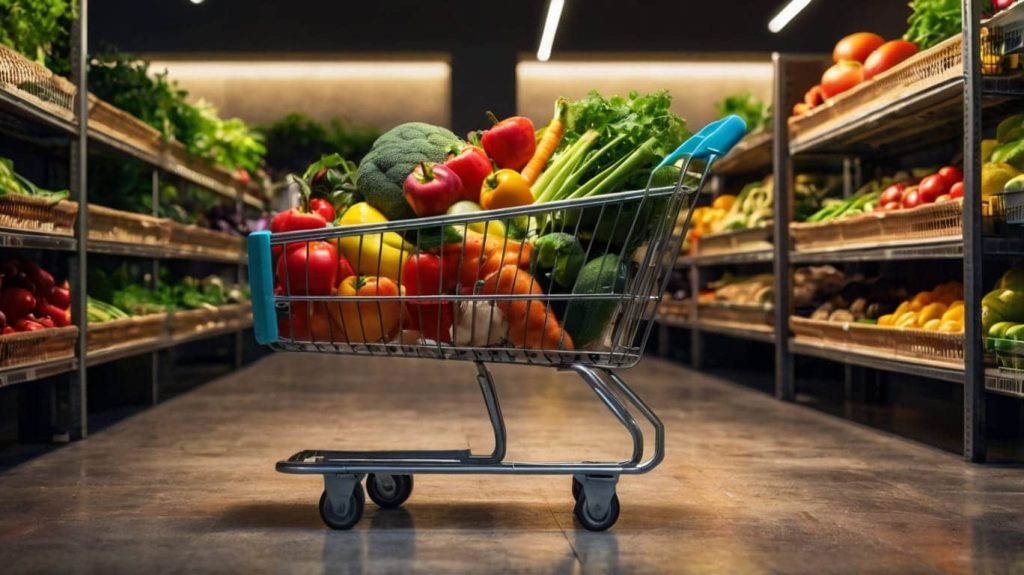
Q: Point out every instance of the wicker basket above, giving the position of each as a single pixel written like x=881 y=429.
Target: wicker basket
x=30 y=347
x=752 y=240
x=28 y=213
x=187 y=322
x=214 y=176
x=930 y=68
x=732 y=313
x=903 y=344
x=118 y=226
x=129 y=331
x=675 y=308
x=123 y=126
x=204 y=241
x=878 y=229
x=34 y=83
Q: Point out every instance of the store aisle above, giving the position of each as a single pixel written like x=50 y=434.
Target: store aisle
x=749 y=484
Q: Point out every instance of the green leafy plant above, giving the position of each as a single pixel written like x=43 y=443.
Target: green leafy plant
x=39 y=29
x=756 y=113
x=294 y=139
x=932 y=21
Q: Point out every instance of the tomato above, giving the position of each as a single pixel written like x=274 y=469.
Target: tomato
x=957 y=190
x=888 y=55
x=323 y=208
x=841 y=77
x=308 y=269
x=912 y=199
x=932 y=187
x=893 y=193
x=857 y=47
x=952 y=174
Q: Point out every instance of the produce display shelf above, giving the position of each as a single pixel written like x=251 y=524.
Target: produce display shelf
x=751 y=154
x=13 y=103
x=915 y=114
x=161 y=251
x=149 y=346
x=34 y=371
x=682 y=262
x=741 y=257
x=39 y=241
x=673 y=321
x=762 y=333
x=876 y=361
x=939 y=248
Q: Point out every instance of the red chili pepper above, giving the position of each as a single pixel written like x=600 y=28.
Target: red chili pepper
x=312 y=269
x=511 y=142
x=60 y=317
x=472 y=166
x=323 y=208
x=17 y=303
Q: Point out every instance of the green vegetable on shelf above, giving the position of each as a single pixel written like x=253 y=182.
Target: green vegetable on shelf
x=13 y=183
x=755 y=112
x=933 y=21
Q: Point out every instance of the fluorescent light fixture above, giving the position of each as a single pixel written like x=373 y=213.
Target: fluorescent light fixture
x=196 y=1
x=547 y=38
x=786 y=15
x=283 y=70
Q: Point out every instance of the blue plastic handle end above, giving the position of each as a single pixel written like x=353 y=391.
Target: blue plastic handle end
x=261 y=284
x=714 y=139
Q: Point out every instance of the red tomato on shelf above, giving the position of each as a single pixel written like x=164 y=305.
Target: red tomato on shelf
x=857 y=47
x=841 y=77
x=932 y=187
x=888 y=55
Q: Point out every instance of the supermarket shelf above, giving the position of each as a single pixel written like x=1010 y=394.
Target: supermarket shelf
x=15 y=104
x=38 y=241
x=156 y=344
x=160 y=251
x=940 y=248
x=917 y=113
x=1002 y=384
x=32 y=372
x=745 y=257
x=762 y=333
x=751 y=154
x=864 y=359
x=673 y=321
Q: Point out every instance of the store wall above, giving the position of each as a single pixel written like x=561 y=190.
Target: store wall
x=695 y=86
x=376 y=93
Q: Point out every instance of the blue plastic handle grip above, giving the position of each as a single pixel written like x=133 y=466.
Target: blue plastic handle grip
x=261 y=285
x=714 y=139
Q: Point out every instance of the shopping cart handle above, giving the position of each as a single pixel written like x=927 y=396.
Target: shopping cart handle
x=714 y=139
x=261 y=286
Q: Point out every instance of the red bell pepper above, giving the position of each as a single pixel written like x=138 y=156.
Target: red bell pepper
x=41 y=278
x=511 y=142
x=28 y=325
x=17 y=303
x=344 y=268
x=421 y=276
x=308 y=269
x=60 y=317
x=60 y=296
x=472 y=166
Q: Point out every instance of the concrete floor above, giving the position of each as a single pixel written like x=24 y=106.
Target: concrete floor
x=749 y=484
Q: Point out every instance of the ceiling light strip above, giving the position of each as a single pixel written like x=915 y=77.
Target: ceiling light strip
x=547 y=38
x=786 y=15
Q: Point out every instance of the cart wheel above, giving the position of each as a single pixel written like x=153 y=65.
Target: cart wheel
x=356 y=504
x=577 y=488
x=389 y=491
x=583 y=514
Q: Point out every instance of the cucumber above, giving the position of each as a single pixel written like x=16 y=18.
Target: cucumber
x=586 y=320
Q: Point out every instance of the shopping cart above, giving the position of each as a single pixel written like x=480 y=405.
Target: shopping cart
x=494 y=299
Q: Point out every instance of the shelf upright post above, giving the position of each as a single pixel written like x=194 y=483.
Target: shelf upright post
x=240 y=277
x=154 y=389
x=782 y=168
x=75 y=420
x=974 y=359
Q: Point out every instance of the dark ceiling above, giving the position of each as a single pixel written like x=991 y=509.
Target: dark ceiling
x=325 y=26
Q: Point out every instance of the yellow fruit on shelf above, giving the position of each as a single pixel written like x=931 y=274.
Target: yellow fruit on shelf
x=922 y=299
x=932 y=311
x=887 y=319
x=724 y=202
x=954 y=313
x=951 y=327
x=908 y=319
x=902 y=309
x=932 y=324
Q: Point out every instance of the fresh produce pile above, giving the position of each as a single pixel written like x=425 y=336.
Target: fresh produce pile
x=590 y=147
x=1003 y=157
x=941 y=309
x=903 y=191
x=30 y=299
x=751 y=209
x=857 y=58
x=12 y=183
x=887 y=303
x=39 y=29
x=740 y=290
x=815 y=284
x=932 y=21
x=755 y=112
x=294 y=139
x=131 y=297
x=1002 y=319
x=126 y=82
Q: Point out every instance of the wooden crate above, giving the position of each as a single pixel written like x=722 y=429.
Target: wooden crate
x=119 y=226
x=878 y=229
x=750 y=240
x=731 y=313
x=128 y=331
x=205 y=241
x=34 y=83
x=28 y=213
x=902 y=344
x=124 y=127
x=30 y=347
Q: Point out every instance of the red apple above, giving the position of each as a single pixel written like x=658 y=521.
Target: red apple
x=891 y=206
x=893 y=193
x=912 y=199
x=932 y=187
x=956 y=190
x=952 y=173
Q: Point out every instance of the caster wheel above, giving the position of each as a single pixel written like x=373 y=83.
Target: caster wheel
x=577 y=488
x=355 y=510
x=389 y=491
x=592 y=523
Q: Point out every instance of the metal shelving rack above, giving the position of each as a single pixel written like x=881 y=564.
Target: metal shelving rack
x=71 y=420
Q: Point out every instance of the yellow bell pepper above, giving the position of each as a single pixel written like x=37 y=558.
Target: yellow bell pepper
x=365 y=252
x=505 y=189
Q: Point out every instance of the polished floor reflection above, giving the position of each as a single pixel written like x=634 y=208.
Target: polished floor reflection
x=749 y=484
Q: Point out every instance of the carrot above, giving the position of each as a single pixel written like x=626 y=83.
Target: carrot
x=548 y=142
x=473 y=259
x=532 y=323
